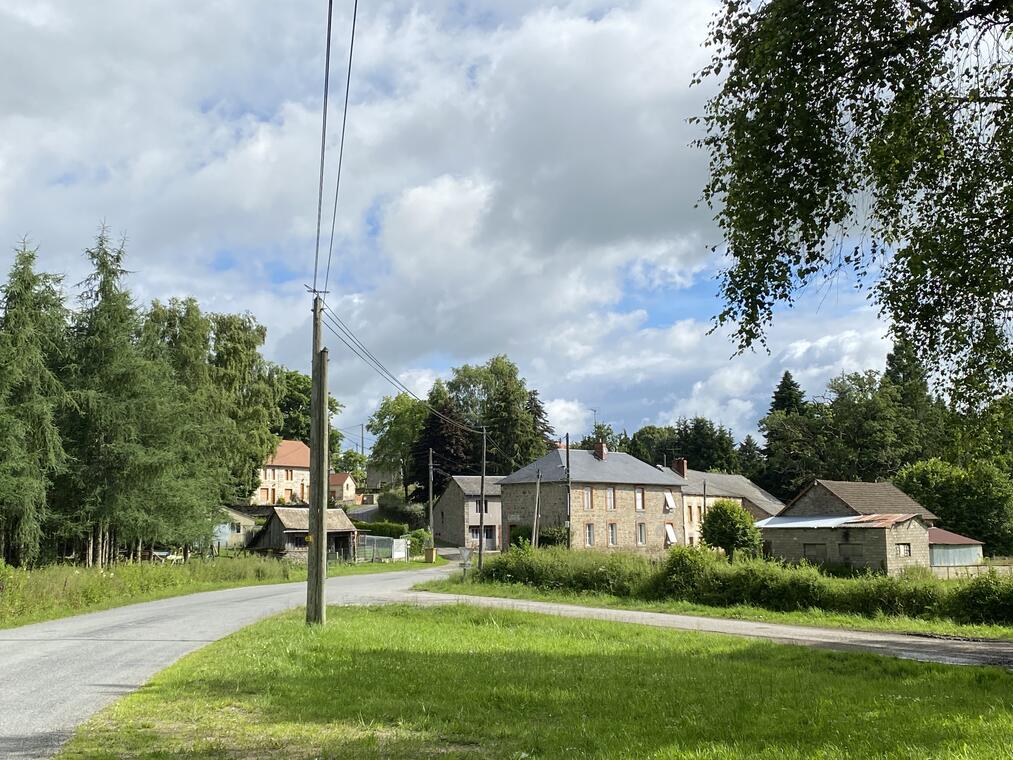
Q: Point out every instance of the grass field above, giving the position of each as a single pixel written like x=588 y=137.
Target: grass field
x=459 y=682
x=56 y=591
x=896 y=624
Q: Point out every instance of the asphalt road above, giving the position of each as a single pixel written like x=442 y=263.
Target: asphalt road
x=55 y=675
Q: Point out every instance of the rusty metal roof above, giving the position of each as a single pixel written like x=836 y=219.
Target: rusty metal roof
x=845 y=521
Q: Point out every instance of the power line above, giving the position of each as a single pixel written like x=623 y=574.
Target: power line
x=341 y=146
x=323 y=141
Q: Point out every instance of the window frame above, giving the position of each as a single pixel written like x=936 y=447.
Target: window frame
x=641 y=534
x=610 y=499
x=613 y=534
x=639 y=499
x=588 y=534
x=900 y=550
x=587 y=495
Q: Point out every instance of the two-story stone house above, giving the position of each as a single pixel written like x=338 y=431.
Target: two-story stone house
x=286 y=475
x=457 y=519
x=617 y=501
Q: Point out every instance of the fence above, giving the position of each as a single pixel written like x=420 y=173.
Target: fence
x=953 y=572
x=381 y=548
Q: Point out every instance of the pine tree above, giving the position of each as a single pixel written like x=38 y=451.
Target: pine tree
x=32 y=347
x=788 y=396
x=451 y=446
x=543 y=429
x=751 y=459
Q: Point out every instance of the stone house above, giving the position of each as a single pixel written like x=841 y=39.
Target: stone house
x=285 y=475
x=284 y=534
x=341 y=486
x=887 y=543
x=456 y=516
x=830 y=498
x=617 y=501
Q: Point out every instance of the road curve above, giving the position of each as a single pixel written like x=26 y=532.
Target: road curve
x=55 y=675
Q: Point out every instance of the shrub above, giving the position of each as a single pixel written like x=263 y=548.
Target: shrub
x=382 y=528
x=986 y=598
x=729 y=526
x=394 y=509
x=418 y=540
x=557 y=535
x=684 y=570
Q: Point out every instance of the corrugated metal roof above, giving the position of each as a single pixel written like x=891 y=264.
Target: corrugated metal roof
x=298 y=519
x=940 y=536
x=585 y=467
x=846 y=521
x=472 y=484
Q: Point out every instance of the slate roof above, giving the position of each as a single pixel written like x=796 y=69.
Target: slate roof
x=845 y=521
x=472 y=484
x=729 y=484
x=585 y=467
x=948 y=538
x=298 y=519
x=291 y=454
x=872 y=498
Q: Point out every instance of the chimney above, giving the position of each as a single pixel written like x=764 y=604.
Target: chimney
x=680 y=466
x=601 y=451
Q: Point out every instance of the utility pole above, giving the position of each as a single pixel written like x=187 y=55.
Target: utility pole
x=534 y=525
x=431 y=534
x=481 y=508
x=316 y=611
x=362 y=438
x=569 y=495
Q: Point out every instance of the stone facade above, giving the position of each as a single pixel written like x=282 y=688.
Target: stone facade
x=277 y=482
x=818 y=501
x=888 y=550
x=621 y=527
x=455 y=514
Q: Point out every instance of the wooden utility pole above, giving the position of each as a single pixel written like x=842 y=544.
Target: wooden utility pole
x=534 y=525
x=316 y=611
x=431 y=534
x=569 y=495
x=362 y=441
x=481 y=508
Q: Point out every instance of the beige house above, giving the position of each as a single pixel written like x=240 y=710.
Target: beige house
x=457 y=520
x=618 y=501
x=863 y=525
x=341 y=487
x=235 y=529
x=285 y=476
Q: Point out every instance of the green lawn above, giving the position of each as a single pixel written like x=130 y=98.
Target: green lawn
x=459 y=682
x=895 y=624
x=56 y=591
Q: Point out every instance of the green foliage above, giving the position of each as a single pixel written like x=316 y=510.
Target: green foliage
x=976 y=501
x=352 y=462
x=621 y=573
x=603 y=432
x=788 y=396
x=706 y=445
x=382 y=528
x=393 y=507
x=886 y=124
x=520 y=536
x=418 y=540
x=728 y=526
x=396 y=424
x=294 y=405
x=451 y=446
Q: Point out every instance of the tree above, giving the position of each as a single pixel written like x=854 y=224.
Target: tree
x=750 y=458
x=976 y=501
x=452 y=445
x=707 y=446
x=514 y=439
x=536 y=409
x=294 y=405
x=788 y=396
x=844 y=122
x=353 y=462
x=32 y=349
x=652 y=443
x=396 y=424
x=604 y=433
x=728 y=526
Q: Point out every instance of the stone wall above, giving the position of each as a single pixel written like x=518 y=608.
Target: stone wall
x=818 y=501
x=913 y=532
x=454 y=514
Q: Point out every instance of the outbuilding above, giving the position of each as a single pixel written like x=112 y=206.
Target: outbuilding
x=948 y=549
x=286 y=530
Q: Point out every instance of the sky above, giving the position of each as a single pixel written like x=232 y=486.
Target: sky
x=519 y=178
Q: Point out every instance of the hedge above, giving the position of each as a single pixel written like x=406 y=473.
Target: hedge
x=383 y=528
x=698 y=575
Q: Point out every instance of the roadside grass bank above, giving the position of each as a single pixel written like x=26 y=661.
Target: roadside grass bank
x=458 y=682
x=56 y=591
x=811 y=617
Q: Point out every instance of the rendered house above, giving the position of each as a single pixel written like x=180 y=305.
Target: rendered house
x=286 y=475
x=341 y=487
x=235 y=529
x=618 y=501
x=456 y=516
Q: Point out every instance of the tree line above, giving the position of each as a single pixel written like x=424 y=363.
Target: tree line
x=124 y=427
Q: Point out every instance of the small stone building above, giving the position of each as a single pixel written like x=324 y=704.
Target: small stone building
x=341 y=487
x=285 y=476
x=883 y=542
x=284 y=534
x=618 y=501
x=456 y=517
x=830 y=498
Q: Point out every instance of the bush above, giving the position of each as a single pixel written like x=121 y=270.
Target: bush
x=729 y=526
x=684 y=571
x=382 y=528
x=986 y=598
x=520 y=535
x=394 y=509
x=418 y=540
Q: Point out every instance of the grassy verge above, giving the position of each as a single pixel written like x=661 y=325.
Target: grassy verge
x=459 y=682
x=56 y=591
x=819 y=618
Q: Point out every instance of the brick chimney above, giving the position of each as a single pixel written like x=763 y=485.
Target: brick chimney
x=601 y=451
x=680 y=466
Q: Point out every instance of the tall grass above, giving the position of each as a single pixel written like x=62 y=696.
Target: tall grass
x=56 y=590
x=700 y=576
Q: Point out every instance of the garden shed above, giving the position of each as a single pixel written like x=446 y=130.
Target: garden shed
x=948 y=549
x=285 y=534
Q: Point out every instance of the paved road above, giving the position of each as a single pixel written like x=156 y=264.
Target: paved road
x=55 y=675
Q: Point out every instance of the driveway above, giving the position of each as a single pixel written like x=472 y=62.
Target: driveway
x=55 y=675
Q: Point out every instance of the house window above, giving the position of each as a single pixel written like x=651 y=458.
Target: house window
x=475 y=533
x=641 y=534
x=236 y=528
x=689 y=513
x=588 y=498
x=265 y=494
x=589 y=534
x=692 y=540
x=903 y=550
x=613 y=534
x=699 y=513
x=816 y=553
x=289 y=475
x=288 y=494
x=669 y=501
x=610 y=497
x=640 y=499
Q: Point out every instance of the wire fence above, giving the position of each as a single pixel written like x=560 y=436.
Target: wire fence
x=381 y=548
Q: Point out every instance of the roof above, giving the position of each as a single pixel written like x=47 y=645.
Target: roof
x=291 y=454
x=585 y=467
x=845 y=521
x=235 y=514
x=472 y=484
x=871 y=498
x=298 y=519
x=940 y=536
x=338 y=478
x=731 y=484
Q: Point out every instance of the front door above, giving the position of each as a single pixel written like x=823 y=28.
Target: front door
x=490 y=537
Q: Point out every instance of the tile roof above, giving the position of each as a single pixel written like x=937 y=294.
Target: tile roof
x=872 y=498
x=298 y=519
x=585 y=467
x=940 y=536
x=338 y=478
x=472 y=484
x=844 y=521
x=291 y=454
x=731 y=484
